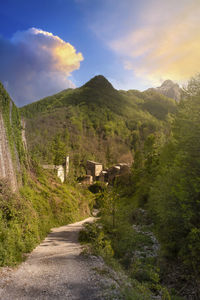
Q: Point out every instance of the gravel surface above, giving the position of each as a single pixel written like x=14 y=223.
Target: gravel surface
x=56 y=269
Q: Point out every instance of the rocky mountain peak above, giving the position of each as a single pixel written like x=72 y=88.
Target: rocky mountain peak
x=168 y=83
x=170 y=89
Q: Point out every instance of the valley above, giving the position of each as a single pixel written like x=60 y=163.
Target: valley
x=148 y=215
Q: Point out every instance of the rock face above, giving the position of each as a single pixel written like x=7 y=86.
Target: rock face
x=13 y=155
x=170 y=89
x=6 y=165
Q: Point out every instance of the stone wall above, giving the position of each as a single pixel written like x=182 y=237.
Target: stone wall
x=7 y=170
x=23 y=124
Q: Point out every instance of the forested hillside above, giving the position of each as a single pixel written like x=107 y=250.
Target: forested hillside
x=171 y=177
x=95 y=122
x=150 y=223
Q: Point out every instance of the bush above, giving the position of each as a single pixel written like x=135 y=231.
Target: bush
x=100 y=244
x=26 y=217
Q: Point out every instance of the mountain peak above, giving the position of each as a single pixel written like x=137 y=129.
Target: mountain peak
x=168 y=83
x=170 y=89
x=99 y=81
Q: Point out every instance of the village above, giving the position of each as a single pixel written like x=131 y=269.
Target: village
x=94 y=172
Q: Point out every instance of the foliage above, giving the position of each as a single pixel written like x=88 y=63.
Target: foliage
x=27 y=217
x=41 y=201
x=58 y=150
x=165 y=181
x=175 y=194
x=117 y=242
x=102 y=123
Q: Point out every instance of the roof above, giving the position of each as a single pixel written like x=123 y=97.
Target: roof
x=94 y=162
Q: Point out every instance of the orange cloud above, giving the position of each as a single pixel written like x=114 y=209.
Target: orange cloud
x=166 y=44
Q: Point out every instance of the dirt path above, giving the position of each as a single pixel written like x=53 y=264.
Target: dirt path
x=56 y=270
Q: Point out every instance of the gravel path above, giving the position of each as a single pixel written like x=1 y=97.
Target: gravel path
x=56 y=270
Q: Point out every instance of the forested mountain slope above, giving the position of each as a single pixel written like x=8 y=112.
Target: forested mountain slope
x=96 y=122
x=150 y=223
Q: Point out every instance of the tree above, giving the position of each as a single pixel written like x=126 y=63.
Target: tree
x=175 y=194
x=193 y=87
x=59 y=150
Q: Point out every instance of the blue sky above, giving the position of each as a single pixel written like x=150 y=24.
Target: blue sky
x=50 y=45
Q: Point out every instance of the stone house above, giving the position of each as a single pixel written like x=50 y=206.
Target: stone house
x=103 y=177
x=94 y=169
x=120 y=169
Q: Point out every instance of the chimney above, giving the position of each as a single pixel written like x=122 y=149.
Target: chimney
x=67 y=166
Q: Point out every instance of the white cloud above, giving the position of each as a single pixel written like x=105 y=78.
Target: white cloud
x=36 y=63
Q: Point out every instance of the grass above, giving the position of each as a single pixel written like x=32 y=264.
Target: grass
x=27 y=217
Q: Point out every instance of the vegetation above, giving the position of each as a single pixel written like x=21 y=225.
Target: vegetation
x=174 y=197
x=125 y=247
x=41 y=201
x=95 y=122
x=149 y=223
x=162 y=200
x=169 y=187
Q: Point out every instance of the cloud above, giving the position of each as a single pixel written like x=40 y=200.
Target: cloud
x=164 y=43
x=35 y=63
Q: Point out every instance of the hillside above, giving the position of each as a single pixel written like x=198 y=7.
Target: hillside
x=95 y=122
x=31 y=200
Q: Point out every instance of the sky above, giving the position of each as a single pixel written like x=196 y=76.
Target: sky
x=50 y=45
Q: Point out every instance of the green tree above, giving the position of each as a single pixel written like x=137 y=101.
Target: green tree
x=59 y=150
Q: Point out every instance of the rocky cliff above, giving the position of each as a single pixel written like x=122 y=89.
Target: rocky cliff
x=12 y=153
x=6 y=165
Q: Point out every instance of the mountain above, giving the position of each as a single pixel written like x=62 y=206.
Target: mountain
x=95 y=121
x=169 y=89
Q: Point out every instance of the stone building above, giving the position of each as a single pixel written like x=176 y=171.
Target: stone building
x=112 y=173
x=94 y=169
x=103 y=177
x=87 y=180
x=120 y=169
